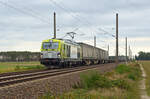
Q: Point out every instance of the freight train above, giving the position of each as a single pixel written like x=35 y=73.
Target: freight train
x=66 y=53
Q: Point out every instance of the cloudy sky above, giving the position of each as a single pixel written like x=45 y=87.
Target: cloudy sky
x=24 y=24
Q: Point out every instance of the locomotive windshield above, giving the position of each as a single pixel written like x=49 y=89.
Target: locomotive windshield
x=50 y=45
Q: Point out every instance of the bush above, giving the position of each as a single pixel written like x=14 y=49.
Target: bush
x=104 y=82
x=135 y=73
x=122 y=69
x=17 y=68
x=39 y=67
x=34 y=67
x=120 y=83
x=90 y=80
x=132 y=76
x=94 y=80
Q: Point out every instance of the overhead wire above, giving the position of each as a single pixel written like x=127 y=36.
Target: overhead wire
x=89 y=23
x=35 y=12
x=23 y=11
x=27 y=11
x=37 y=16
x=107 y=33
x=77 y=17
x=69 y=12
x=47 y=22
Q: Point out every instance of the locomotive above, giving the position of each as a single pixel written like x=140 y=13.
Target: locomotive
x=66 y=53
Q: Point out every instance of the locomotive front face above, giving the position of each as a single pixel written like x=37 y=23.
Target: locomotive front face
x=50 y=52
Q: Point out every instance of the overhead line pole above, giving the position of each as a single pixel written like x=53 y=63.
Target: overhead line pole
x=108 y=50
x=116 y=38
x=126 y=45
x=129 y=53
x=94 y=45
x=54 y=25
x=94 y=41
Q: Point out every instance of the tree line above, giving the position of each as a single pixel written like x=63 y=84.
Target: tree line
x=19 y=56
x=143 y=56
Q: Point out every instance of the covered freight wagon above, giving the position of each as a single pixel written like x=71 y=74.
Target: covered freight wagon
x=93 y=55
x=120 y=58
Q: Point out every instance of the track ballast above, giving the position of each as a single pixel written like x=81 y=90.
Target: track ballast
x=29 y=76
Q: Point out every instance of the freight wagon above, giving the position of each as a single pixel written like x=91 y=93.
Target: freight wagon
x=93 y=55
x=120 y=58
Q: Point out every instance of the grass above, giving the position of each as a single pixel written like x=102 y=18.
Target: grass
x=119 y=84
x=19 y=66
x=146 y=66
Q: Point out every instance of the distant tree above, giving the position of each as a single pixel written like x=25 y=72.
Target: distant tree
x=136 y=57
x=143 y=55
x=20 y=56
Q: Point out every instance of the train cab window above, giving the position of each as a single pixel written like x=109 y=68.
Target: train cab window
x=64 y=48
x=78 y=52
x=68 y=51
x=50 y=45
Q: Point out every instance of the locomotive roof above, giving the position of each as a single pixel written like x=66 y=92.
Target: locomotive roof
x=65 y=40
x=76 y=43
x=81 y=43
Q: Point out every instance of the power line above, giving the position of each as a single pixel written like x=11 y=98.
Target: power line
x=107 y=33
x=68 y=11
x=77 y=17
x=37 y=16
x=23 y=11
x=90 y=24
x=74 y=16
x=32 y=11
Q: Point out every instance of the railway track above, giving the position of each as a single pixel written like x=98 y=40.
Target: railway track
x=20 y=72
x=28 y=76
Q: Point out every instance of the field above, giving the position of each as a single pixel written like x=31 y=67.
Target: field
x=146 y=66
x=19 y=66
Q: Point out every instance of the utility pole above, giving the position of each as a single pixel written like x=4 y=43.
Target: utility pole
x=130 y=53
x=54 y=25
x=94 y=41
x=108 y=50
x=126 y=49
x=94 y=45
x=116 y=38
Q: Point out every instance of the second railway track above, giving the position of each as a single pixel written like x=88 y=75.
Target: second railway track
x=20 y=78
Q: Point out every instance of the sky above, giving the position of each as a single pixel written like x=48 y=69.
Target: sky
x=24 y=24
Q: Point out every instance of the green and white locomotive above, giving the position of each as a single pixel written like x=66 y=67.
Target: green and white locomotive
x=60 y=53
x=66 y=53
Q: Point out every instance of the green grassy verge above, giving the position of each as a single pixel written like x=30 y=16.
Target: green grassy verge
x=146 y=66
x=119 y=84
x=19 y=66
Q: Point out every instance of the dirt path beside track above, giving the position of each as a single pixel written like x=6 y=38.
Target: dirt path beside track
x=142 y=85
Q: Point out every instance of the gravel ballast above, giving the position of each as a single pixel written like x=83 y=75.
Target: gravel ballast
x=55 y=85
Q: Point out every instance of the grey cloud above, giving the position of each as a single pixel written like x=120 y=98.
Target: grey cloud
x=86 y=15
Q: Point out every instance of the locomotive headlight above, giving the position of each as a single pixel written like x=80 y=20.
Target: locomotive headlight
x=41 y=55
x=58 y=54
